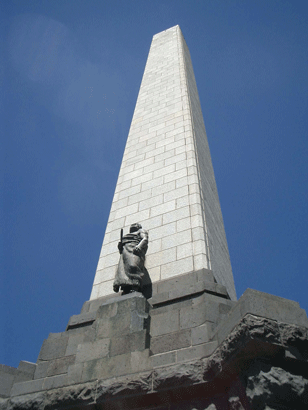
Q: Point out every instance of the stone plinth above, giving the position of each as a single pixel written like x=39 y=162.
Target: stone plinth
x=188 y=345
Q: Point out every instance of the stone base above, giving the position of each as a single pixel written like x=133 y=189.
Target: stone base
x=188 y=346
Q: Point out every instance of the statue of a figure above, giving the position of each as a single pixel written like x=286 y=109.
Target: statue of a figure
x=132 y=248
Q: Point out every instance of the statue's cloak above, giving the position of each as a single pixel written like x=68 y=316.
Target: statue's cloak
x=130 y=269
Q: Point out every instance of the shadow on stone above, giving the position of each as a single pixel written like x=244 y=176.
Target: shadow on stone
x=146 y=285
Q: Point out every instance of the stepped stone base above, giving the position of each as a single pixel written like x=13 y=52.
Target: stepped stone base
x=186 y=345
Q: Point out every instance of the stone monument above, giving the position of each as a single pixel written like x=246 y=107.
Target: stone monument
x=173 y=336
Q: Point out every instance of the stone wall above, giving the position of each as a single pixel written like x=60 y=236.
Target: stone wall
x=186 y=346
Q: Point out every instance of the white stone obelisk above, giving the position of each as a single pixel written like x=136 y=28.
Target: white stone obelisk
x=166 y=181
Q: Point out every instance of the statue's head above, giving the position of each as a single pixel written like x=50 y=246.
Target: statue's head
x=134 y=228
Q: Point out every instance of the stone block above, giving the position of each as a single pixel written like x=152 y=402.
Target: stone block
x=54 y=347
x=74 y=340
x=56 y=382
x=167 y=307
x=27 y=368
x=74 y=373
x=200 y=334
x=60 y=366
x=91 y=351
x=272 y=307
x=165 y=323
x=178 y=283
x=171 y=341
x=27 y=387
x=227 y=325
x=163 y=359
x=129 y=343
x=81 y=320
x=41 y=370
x=140 y=361
x=119 y=325
x=7 y=377
x=107 y=367
x=193 y=316
x=196 y=352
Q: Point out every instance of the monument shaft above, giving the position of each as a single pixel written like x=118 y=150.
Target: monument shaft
x=166 y=181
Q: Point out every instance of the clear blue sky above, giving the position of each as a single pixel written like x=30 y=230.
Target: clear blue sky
x=70 y=72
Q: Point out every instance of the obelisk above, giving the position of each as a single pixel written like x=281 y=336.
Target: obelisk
x=166 y=181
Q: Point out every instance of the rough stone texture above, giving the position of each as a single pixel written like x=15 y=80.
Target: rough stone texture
x=166 y=181
x=248 y=371
x=54 y=347
x=273 y=386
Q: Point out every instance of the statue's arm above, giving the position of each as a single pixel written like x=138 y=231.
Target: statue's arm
x=143 y=244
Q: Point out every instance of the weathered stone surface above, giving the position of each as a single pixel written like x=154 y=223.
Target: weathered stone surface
x=54 y=347
x=3 y=403
x=274 y=386
x=107 y=367
x=81 y=320
x=90 y=351
x=59 y=366
x=196 y=352
x=172 y=341
x=75 y=395
x=165 y=323
x=34 y=401
x=26 y=369
x=200 y=334
x=250 y=327
x=27 y=387
x=272 y=307
x=296 y=336
x=186 y=285
x=41 y=370
x=163 y=359
x=7 y=377
x=129 y=343
x=54 y=382
x=178 y=375
x=125 y=385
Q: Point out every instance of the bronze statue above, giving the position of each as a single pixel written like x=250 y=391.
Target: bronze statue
x=132 y=248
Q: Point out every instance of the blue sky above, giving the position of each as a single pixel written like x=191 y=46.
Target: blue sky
x=70 y=72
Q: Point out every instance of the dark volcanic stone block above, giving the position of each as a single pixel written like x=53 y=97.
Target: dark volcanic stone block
x=41 y=369
x=73 y=342
x=196 y=352
x=163 y=359
x=74 y=373
x=54 y=347
x=55 y=382
x=27 y=387
x=33 y=401
x=27 y=368
x=115 y=326
x=91 y=351
x=7 y=377
x=129 y=343
x=59 y=366
x=165 y=323
x=272 y=307
x=200 y=334
x=81 y=320
x=171 y=341
x=193 y=316
x=109 y=367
